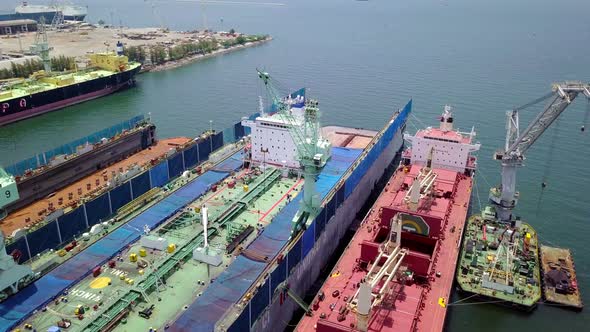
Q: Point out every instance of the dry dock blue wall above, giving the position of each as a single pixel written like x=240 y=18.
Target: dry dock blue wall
x=140 y=184
x=65 y=228
x=191 y=156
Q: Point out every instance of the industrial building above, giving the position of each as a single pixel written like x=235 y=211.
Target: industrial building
x=17 y=26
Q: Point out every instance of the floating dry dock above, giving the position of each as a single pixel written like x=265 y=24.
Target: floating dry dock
x=560 y=284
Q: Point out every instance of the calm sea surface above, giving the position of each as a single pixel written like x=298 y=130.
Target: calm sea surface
x=364 y=59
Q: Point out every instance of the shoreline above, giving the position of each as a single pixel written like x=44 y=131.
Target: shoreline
x=172 y=64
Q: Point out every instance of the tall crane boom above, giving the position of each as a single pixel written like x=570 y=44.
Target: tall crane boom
x=313 y=150
x=41 y=45
x=563 y=94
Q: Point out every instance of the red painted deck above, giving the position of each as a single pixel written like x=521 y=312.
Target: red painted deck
x=409 y=306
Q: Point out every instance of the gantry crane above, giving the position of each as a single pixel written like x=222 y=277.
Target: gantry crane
x=505 y=197
x=313 y=150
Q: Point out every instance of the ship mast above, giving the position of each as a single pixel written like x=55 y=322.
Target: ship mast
x=367 y=295
x=41 y=45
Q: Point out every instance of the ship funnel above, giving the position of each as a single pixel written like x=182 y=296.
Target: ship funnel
x=446 y=120
x=119 y=48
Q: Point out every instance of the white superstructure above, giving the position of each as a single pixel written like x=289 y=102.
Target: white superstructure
x=70 y=12
x=271 y=140
x=445 y=147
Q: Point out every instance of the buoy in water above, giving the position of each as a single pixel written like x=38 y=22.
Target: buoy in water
x=583 y=128
x=543 y=184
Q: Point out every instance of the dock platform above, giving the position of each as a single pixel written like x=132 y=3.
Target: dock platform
x=560 y=284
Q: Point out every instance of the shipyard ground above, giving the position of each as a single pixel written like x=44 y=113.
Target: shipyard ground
x=82 y=41
x=558 y=267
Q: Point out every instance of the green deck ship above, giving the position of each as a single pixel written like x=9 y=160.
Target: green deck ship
x=45 y=92
x=238 y=209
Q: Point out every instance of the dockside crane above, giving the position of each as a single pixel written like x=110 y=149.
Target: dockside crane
x=41 y=45
x=313 y=150
x=505 y=197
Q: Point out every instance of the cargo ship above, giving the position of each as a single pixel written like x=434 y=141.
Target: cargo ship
x=499 y=258
x=69 y=12
x=45 y=13
x=45 y=92
x=397 y=272
x=220 y=222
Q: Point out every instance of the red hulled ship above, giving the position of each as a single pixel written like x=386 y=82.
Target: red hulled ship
x=396 y=273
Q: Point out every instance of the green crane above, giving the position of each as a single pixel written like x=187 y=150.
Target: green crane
x=41 y=45
x=313 y=150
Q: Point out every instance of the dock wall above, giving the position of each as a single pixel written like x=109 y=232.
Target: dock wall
x=38 y=186
x=65 y=228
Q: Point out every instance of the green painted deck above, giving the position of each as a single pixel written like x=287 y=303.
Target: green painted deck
x=31 y=86
x=171 y=281
x=518 y=283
